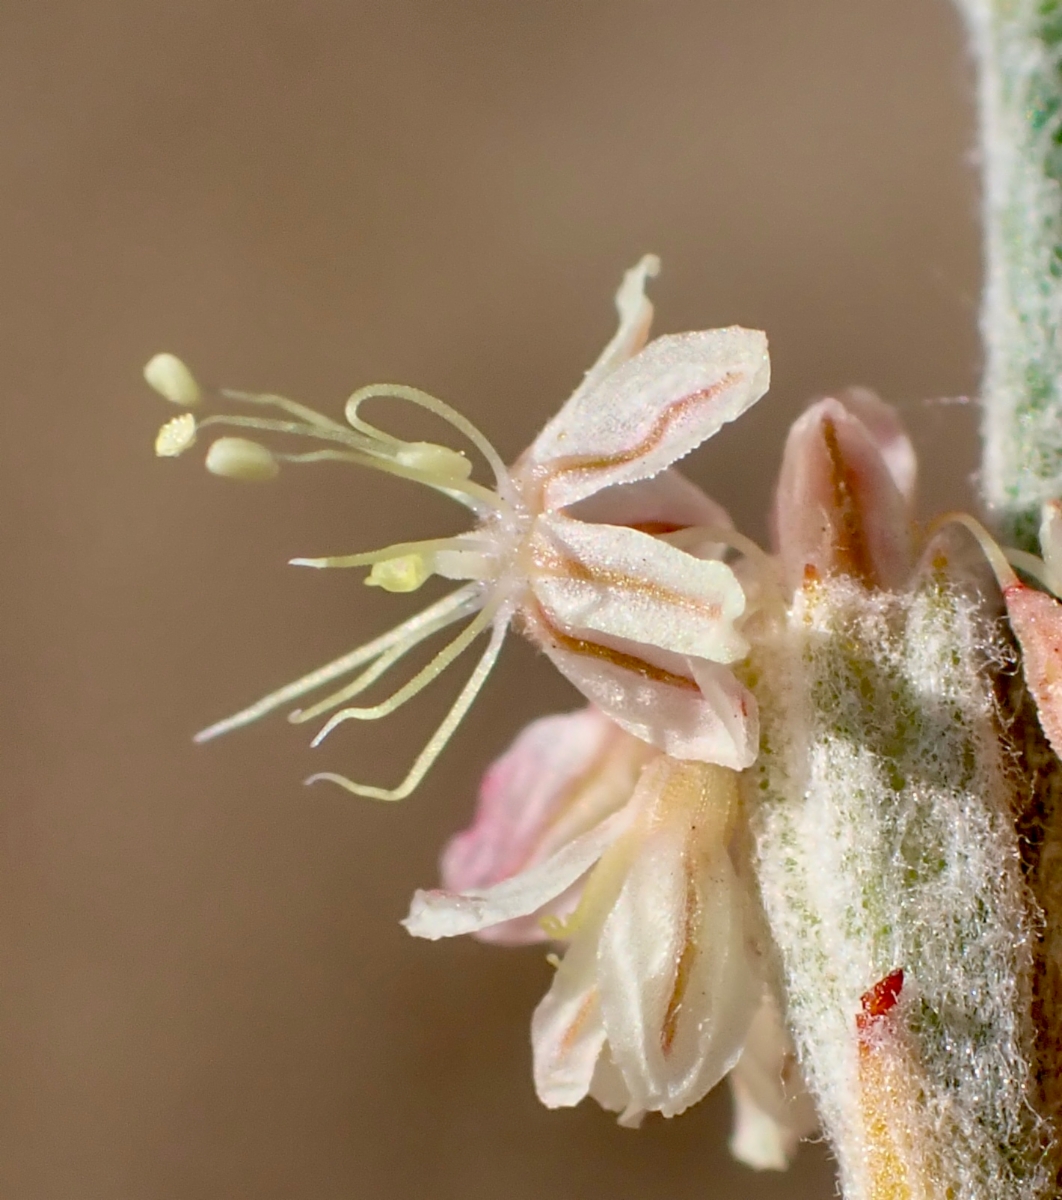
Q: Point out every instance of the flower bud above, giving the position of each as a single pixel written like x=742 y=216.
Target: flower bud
x=175 y=437
x=172 y=379
x=239 y=458
x=838 y=508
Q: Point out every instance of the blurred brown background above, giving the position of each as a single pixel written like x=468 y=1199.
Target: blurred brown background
x=204 y=990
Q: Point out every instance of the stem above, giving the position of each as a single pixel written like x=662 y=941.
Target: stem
x=1018 y=45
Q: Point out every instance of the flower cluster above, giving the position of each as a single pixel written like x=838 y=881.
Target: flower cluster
x=632 y=835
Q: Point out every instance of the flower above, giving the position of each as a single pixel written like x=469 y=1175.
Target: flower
x=562 y=776
x=564 y=542
x=650 y=1006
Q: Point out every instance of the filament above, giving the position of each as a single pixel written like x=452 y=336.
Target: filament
x=441 y=409
x=419 y=682
x=991 y=549
x=456 y=604
x=380 y=667
x=1031 y=565
x=438 y=739
x=311 y=416
x=398 y=550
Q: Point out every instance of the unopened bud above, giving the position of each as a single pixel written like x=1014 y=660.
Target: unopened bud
x=838 y=508
x=175 y=436
x=435 y=460
x=172 y=379
x=239 y=458
x=404 y=574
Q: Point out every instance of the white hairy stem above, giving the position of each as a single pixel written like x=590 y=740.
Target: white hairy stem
x=1018 y=47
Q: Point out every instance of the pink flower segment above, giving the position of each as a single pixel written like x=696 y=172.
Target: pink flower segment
x=650 y=1006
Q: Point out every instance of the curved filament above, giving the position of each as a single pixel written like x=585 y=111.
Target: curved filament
x=440 y=408
x=419 y=682
x=379 y=668
x=437 y=741
x=455 y=605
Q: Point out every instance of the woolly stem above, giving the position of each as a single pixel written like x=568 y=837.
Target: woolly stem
x=1018 y=46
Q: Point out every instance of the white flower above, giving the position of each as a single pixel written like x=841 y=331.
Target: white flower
x=651 y=1004
x=564 y=542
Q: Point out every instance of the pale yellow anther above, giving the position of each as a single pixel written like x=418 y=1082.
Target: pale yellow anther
x=175 y=436
x=172 y=379
x=435 y=460
x=404 y=574
x=239 y=458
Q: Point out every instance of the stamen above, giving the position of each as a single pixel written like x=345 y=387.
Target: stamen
x=475 y=496
x=294 y=428
x=379 y=668
x=440 y=409
x=398 y=550
x=303 y=412
x=419 y=682
x=434 y=460
x=453 y=606
x=176 y=436
x=438 y=739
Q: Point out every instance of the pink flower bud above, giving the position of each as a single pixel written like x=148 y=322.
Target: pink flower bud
x=842 y=504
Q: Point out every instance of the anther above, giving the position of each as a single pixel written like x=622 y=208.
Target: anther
x=404 y=574
x=240 y=458
x=434 y=460
x=172 y=379
x=175 y=436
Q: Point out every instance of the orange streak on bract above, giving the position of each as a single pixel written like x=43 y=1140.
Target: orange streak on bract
x=851 y=545
x=885 y=1085
x=567 y=465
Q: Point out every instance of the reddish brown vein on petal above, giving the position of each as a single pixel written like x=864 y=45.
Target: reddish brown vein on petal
x=656 y=528
x=539 y=628
x=691 y=918
x=850 y=546
x=554 y=565
x=571 y=1034
x=569 y=464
